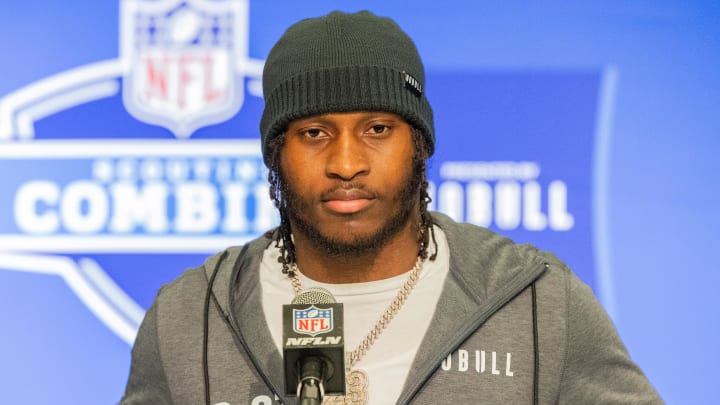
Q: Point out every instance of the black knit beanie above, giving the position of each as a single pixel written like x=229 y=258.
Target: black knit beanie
x=343 y=63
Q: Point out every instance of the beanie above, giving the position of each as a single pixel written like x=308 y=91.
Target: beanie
x=343 y=63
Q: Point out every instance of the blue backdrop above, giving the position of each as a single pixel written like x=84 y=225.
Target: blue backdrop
x=128 y=152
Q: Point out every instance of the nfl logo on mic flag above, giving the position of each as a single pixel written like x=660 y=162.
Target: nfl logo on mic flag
x=312 y=321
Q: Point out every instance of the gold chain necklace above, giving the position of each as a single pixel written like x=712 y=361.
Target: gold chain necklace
x=357 y=380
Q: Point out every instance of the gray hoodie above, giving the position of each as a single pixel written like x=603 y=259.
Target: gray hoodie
x=513 y=325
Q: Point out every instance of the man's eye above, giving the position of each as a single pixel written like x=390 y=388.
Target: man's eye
x=378 y=129
x=313 y=133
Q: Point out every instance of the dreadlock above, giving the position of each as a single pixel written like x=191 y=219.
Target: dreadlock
x=278 y=190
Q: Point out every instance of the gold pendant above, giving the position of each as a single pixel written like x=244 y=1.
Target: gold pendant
x=356 y=382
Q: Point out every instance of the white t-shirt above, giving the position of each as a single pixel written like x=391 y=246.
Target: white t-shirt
x=388 y=361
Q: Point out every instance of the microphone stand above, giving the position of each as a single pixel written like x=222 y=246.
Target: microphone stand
x=310 y=388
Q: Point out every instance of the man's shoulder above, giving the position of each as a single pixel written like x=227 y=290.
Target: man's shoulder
x=193 y=282
x=486 y=258
x=479 y=243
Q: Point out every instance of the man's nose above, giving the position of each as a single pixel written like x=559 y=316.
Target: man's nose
x=347 y=157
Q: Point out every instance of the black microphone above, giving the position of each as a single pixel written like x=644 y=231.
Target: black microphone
x=313 y=346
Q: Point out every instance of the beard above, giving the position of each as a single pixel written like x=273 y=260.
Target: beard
x=355 y=245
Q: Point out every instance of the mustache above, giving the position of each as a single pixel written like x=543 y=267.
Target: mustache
x=346 y=190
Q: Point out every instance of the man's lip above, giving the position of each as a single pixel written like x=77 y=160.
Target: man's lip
x=347 y=201
x=347 y=206
x=342 y=194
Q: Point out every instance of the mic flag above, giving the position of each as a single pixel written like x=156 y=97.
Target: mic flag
x=314 y=342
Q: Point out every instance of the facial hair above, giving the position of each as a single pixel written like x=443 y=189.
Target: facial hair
x=405 y=201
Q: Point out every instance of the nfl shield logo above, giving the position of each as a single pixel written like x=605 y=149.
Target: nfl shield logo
x=312 y=321
x=183 y=61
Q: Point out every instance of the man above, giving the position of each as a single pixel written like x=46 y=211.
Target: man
x=436 y=312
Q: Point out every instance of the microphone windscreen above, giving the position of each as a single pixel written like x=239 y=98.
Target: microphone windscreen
x=314 y=295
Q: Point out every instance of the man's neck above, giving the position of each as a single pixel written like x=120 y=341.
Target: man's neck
x=396 y=256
